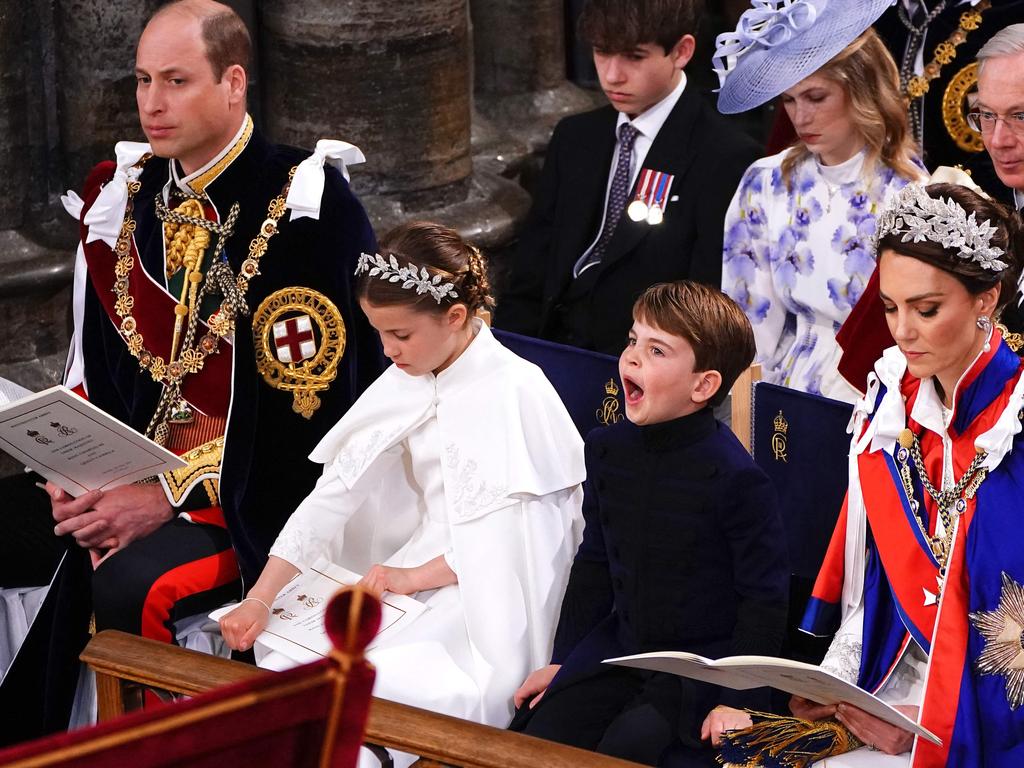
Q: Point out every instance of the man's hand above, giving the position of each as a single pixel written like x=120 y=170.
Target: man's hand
x=722 y=719
x=809 y=710
x=877 y=734
x=535 y=685
x=111 y=519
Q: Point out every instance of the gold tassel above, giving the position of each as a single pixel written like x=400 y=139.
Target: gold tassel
x=774 y=741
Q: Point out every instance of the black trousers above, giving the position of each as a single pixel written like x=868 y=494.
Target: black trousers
x=38 y=690
x=630 y=714
x=181 y=569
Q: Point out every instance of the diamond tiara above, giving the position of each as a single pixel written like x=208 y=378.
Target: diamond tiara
x=410 y=276
x=917 y=216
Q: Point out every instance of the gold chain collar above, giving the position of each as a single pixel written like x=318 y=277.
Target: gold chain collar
x=172 y=372
x=951 y=503
x=945 y=53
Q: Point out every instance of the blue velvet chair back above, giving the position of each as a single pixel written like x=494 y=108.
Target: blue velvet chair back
x=800 y=441
x=587 y=382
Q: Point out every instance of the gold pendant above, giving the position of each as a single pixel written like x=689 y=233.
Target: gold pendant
x=181 y=413
x=304 y=375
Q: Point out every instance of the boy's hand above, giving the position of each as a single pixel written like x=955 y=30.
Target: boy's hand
x=722 y=719
x=243 y=625
x=810 y=710
x=535 y=685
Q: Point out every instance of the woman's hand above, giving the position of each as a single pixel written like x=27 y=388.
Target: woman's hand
x=877 y=734
x=809 y=710
x=722 y=719
x=243 y=625
x=535 y=685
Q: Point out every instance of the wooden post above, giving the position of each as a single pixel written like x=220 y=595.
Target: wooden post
x=743 y=404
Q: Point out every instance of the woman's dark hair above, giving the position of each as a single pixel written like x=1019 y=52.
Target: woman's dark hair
x=443 y=252
x=1009 y=236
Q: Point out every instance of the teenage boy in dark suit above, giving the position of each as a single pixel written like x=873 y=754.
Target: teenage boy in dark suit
x=587 y=251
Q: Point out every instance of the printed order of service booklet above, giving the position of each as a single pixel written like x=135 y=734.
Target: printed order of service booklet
x=296 y=626
x=744 y=672
x=75 y=445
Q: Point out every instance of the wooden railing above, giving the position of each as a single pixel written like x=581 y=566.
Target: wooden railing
x=126 y=665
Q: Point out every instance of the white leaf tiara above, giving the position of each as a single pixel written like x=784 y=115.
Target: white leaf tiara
x=918 y=216
x=410 y=276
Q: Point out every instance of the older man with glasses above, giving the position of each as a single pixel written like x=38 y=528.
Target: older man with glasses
x=999 y=111
x=998 y=115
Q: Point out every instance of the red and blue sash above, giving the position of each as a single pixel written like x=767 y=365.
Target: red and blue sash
x=209 y=389
x=900 y=566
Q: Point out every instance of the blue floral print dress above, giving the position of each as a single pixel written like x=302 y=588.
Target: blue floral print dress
x=796 y=258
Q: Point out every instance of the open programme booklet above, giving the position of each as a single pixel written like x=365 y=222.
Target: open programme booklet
x=296 y=627
x=75 y=445
x=744 y=672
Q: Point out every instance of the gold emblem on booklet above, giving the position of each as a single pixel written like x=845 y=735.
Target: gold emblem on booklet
x=299 y=340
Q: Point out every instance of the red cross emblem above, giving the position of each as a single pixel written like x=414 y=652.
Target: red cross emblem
x=294 y=340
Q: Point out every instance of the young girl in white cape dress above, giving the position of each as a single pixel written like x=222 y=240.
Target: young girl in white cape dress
x=455 y=478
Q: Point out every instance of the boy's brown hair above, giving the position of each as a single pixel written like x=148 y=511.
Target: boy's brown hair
x=618 y=26
x=712 y=323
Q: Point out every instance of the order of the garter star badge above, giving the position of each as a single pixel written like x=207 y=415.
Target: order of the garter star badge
x=299 y=339
x=1003 y=631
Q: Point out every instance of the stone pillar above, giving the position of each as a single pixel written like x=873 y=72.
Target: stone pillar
x=13 y=118
x=392 y=78
x=519 y=54
x=96 y=42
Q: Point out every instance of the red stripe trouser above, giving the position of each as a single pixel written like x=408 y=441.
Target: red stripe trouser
x=179 y=570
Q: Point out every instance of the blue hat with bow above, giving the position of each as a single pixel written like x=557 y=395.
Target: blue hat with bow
x=778 y=43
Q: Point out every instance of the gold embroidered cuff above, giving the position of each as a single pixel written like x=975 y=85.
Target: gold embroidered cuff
x=203 y=465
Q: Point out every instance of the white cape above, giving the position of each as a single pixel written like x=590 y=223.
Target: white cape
x=512 y=468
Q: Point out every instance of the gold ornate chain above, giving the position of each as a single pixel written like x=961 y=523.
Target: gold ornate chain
x=951 y=502
x=172 y=372
x=945 y=53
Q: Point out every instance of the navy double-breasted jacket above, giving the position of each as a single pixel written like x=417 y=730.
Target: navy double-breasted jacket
x=683 y=550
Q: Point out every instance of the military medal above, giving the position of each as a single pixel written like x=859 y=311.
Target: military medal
x=652 y=188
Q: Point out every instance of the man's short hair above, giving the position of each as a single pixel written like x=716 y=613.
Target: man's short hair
x=225 y=35
x=712 y=323
x=1006 y=42
x=618 y=26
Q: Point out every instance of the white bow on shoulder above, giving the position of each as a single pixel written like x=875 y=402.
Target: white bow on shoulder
x=307 y=188
x=106 y=215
